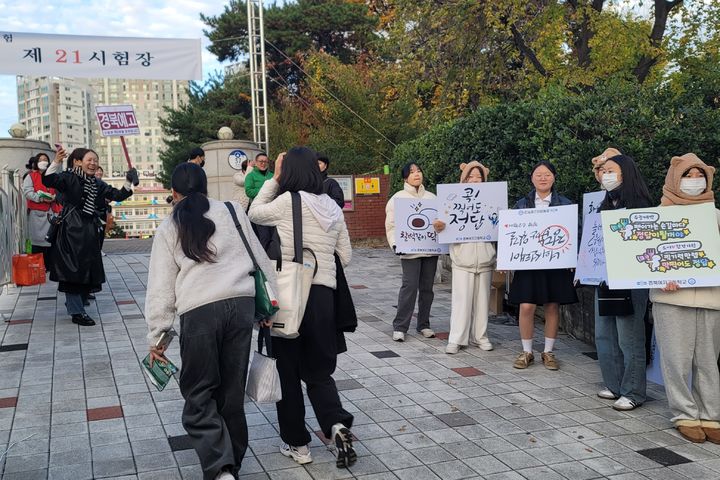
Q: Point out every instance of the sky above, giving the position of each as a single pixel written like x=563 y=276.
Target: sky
x=124 y=18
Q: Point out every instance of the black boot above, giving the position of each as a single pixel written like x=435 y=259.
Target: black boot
x=83 y=320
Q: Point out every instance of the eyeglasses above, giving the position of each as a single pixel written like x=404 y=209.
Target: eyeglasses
x=543 y=176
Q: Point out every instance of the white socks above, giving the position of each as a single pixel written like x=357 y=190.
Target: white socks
x=528 y=344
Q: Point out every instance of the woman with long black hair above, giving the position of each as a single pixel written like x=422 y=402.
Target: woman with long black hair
x=620 y=338
x=200 y=270
x=40 y=202
x=311 y=357
x=75 y=252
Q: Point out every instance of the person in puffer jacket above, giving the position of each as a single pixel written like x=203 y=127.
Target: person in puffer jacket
x=418 y=269
x=472 y=267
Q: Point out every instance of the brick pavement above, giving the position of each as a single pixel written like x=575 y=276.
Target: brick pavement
x=79 y=395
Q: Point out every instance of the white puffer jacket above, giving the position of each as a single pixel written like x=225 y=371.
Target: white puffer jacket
x=408 y=191
x=239 y=194
x=324 y=228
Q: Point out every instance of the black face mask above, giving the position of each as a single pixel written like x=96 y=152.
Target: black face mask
x=202 y=164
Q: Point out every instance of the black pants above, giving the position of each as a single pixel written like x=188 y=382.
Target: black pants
x=215 y=351
x=312 y=358
x=418 y=274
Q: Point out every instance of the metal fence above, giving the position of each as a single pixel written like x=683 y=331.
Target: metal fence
x=12 y=221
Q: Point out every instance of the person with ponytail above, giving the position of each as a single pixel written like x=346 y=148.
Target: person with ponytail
x=75 y=253
x=200 y=270
x=687 y=321
x=620 y=335
x=39 y=205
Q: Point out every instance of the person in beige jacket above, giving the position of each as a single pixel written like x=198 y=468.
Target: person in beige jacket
x=472 y=267
x=687 y=321
x=418 y=269
x=239 y=180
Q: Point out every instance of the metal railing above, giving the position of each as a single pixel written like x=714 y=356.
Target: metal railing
x=12 y=221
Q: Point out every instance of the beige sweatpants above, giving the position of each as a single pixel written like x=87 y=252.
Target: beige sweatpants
x=470 y=304
x=689 y=341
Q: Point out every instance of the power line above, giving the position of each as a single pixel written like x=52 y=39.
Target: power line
x=318 y=83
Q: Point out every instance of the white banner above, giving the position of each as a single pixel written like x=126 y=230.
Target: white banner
x=538 y=238
x=414 y=232
x=76 y=56
x=470 y=211
x=591 y=268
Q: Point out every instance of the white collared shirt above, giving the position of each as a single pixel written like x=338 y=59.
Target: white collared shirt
x=542 y=202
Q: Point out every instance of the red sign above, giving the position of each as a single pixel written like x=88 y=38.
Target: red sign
x=117 y=120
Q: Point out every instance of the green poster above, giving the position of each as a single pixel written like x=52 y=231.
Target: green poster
x=649 y=247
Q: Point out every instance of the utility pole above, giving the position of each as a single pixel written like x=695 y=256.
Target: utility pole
x=258 y=87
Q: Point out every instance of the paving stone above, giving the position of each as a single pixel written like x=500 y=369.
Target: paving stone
x=663 y=456
x=71 y=472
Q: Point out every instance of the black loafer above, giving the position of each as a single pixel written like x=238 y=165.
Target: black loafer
x=83 y=320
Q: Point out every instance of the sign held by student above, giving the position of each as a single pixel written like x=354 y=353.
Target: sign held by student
x=591 y=268
x=414 y=232
x=538 y=238
x=471 y=211
x=649 y=247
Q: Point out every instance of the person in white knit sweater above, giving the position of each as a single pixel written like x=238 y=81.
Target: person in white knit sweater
x=311 y=357
x=201 y=271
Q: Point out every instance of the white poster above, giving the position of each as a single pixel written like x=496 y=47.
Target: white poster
x=591 y=268
x=414 y=232
x=117 y=120
x=538 y=238
x=76 y=56
x=470 y=211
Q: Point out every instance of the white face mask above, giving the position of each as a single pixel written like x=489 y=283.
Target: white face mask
x=610 y=181
x=693 y=186
x=42 y=166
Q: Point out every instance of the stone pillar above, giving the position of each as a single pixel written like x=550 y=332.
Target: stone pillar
x=15 y=152
x=222 y=161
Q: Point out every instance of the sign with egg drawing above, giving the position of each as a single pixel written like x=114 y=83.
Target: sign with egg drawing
x=414 y=232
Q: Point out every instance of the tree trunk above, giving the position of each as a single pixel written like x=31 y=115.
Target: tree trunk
x=663 y=9
x=582 y=33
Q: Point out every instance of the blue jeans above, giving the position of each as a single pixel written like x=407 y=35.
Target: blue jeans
x=620 y=344
x=74 y=304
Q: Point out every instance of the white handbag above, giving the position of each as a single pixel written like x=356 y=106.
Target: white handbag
x=294 y=281
x=263 y=382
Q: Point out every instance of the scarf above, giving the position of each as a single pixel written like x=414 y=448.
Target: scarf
x=89 y=191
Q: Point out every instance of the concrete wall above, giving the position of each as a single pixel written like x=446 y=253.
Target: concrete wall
x=218 y=169
x=15 y=152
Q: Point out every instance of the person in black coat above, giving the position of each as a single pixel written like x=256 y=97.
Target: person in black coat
x=330 y=186
x=550 y=288
x=77 y=262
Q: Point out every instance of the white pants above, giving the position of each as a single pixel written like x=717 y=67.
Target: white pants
x=470 y=304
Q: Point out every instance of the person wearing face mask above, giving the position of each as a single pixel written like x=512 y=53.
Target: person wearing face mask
x=472 y=267
x=38 y=205
x=418 y=269
x=600 y=160
x=197 y=156
x=620 y=333
x=550 y=288
x=687 y=321
x=76 y=258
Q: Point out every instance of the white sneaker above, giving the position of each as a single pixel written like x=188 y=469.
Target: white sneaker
x=224 y=476
x=427 y=333
x=398 y=336
x=483 y=343
x=342 y=437
x=300 y=454
x=607 y=394
x=624 y=404
x=452 y=348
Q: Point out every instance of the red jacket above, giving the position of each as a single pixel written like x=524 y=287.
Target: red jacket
x=36 y=177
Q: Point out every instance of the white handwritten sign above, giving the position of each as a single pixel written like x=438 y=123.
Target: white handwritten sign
x=591 y=267
x=414 y=232
x=470 y=211
x=538 y=238
x=76 y=56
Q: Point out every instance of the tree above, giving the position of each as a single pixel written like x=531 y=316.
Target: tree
x=217 y=103
x=116 y=232
x=460 y=54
